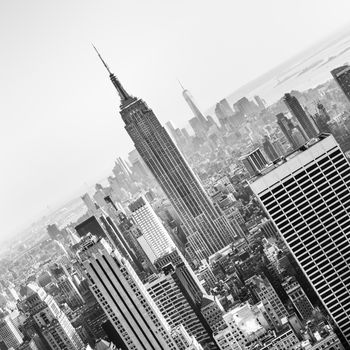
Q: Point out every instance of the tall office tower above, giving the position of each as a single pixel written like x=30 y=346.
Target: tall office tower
x=66 y=287
x=260 y=102
x=10 y=336
x=155 y=240
x=293 y=133
x=245 y=106
x=298 y=297
x=298 y=112
x=195 y=110
x=174 y=306
x=286 y=126
x=207 y=230
x=254 y=162
x=89 y=203
x=274 y=307
x=224 y=113
x=172 y=131
x=181 y=271
x=124 y=298
x=226 y=108
x=307 y=198
x=101 y=225
x=322 y=118
x=269 y=149
x=53 y=323
x=342 y=76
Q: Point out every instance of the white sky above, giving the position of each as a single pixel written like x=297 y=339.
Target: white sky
x=60 y=126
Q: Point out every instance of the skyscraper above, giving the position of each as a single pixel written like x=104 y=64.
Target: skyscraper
x=206 y=229
x=342 y=76
x=195 y=110
x=154 y=240
x=269 y=149
x=124 y=298
x=308 y=199
x=52 y=321
x=254 y=162
x=298 y=112
x=10 y=336
x=286 y=126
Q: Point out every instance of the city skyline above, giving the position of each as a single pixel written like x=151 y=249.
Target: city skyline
x=48 y=127
x=225 y=227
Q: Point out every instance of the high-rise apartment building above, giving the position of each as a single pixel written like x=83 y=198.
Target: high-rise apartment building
x=342 y=76
x=308 y=199
x=207 y=230
x=298 y=112
x=155 y=240
x=124 y=298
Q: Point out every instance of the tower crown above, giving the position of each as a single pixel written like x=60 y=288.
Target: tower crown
x=124 y=96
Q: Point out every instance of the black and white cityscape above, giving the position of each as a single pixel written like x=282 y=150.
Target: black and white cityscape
x=228 y=232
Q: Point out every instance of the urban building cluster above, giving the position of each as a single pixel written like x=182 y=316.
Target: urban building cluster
x=235 y=236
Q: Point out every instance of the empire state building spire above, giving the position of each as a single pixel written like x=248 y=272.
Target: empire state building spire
x=124 y=96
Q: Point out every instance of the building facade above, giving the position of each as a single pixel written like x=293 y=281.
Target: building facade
x=308 y=199
x=124 y=298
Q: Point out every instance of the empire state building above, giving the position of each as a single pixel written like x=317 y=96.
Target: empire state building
x=206 y=228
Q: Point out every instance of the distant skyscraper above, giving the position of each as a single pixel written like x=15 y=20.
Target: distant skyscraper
x=342 y=76
x=322 y=118
x=195 y=110
x=197 y=127
x=155 y=240
x=308 y=199
x=269 y=149
x=245 y=106
x=223 y=112
x=298 y=112
x=293 y=133
x=207 y=230
x=90 y=204
x=124 y=298
x=254 y=162
x=259 y=102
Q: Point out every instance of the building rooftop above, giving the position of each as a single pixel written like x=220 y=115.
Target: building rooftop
x=280 y=161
